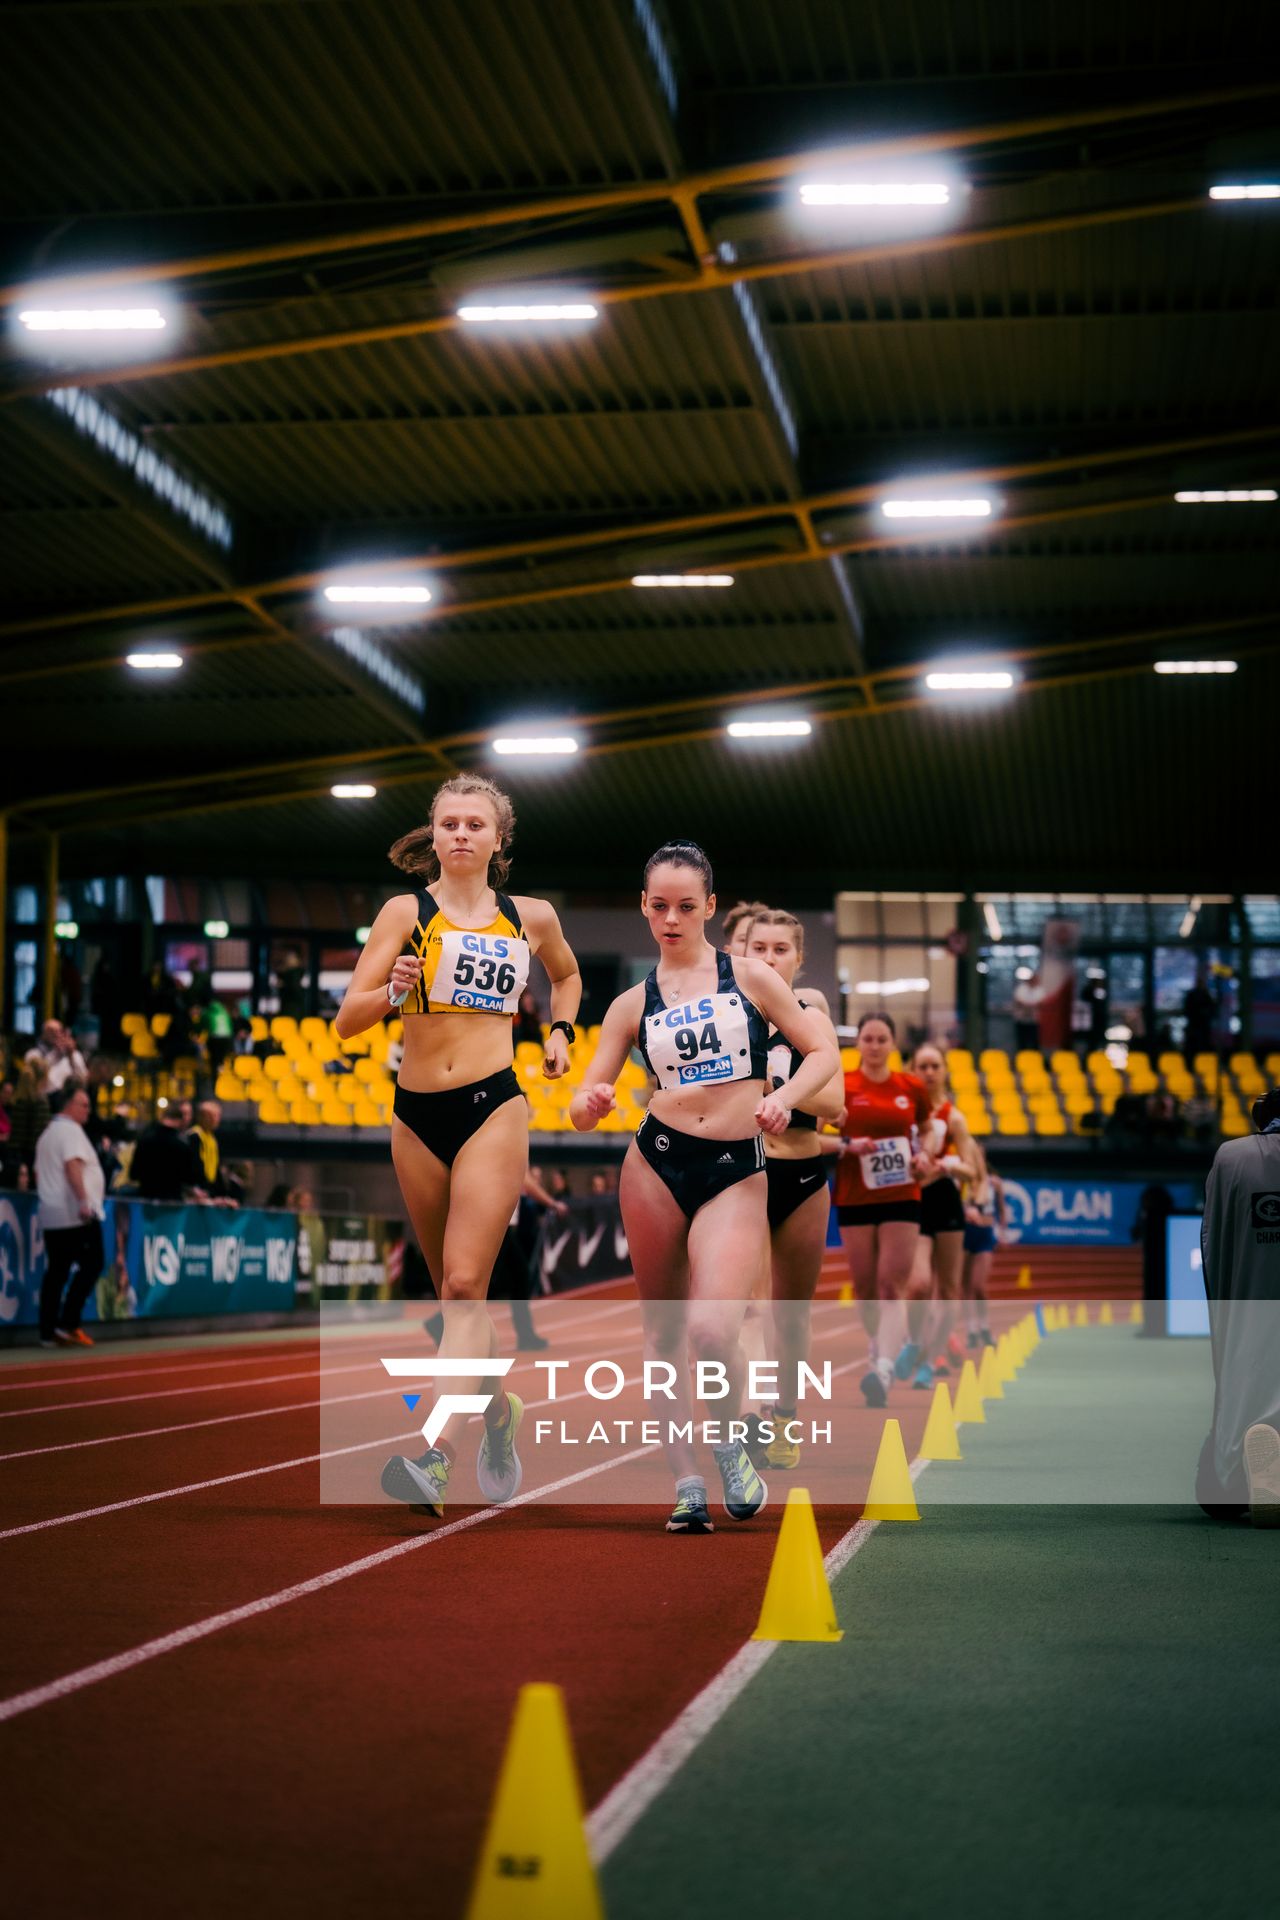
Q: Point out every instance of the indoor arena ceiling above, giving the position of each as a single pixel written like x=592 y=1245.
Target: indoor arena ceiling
x=318 y=188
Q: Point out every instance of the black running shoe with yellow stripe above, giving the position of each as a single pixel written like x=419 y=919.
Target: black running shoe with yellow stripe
x=689 y=1515
x=745 y=1493
x=421 y=1482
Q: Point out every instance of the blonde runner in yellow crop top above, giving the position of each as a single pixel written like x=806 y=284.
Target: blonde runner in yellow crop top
x=468 y=969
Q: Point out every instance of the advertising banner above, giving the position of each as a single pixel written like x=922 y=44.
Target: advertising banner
x=343 y=1256
x=587 y=1243
x=161 y=1261
x=1071 y=1212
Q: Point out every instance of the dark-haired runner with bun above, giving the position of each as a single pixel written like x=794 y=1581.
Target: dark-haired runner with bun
x=878 y=1197
x=799 y=1200
x=454 y=955
x=693 y=1192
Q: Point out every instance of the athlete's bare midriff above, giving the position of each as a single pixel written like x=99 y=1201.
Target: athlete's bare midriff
x=797 y=1143
x=727 y=1114
x=451 y=1049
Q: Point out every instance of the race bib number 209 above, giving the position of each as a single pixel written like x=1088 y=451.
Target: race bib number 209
x=888 y=1164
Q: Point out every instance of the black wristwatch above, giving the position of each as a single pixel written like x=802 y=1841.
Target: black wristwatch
x=566 y=1027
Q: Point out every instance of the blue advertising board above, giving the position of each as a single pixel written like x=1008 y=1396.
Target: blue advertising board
x=175 y=1262
x=1073 y=1212
x=1187 y=1306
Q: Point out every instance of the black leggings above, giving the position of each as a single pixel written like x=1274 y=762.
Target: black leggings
x=445 y=1121
x=75 y=1254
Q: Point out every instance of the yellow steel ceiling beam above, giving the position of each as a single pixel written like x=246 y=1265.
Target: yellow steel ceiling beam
x=727 y=519
x=682 y=193
x=712 y=277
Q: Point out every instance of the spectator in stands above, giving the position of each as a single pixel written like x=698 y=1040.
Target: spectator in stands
x=1199 y=1009
x=203 y=1140
x=1239 y=1472
x=289 y=981
x=241 y=1038
x=62 y=1057
x=30 y=1113
x=528 y=1024
x=164 y=1165
x=217 y=1033
x=70 y=1185
x=238 y=1176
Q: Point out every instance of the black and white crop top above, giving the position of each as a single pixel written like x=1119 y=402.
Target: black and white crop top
x=719 y=1037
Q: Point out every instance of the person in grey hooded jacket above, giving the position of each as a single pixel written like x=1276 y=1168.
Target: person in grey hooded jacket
x=1239 y=1473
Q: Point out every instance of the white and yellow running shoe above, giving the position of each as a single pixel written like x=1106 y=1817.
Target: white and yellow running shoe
x=498 y=1470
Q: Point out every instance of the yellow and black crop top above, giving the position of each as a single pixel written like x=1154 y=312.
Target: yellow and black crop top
x=468 y=969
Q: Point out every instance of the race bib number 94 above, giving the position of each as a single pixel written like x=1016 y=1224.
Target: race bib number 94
x=481 y=972
x=702 y=1042
x=888 y=1164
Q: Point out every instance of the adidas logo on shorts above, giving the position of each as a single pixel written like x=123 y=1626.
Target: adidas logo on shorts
x=725 y=1160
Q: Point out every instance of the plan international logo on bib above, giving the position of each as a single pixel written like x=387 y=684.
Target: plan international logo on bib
x=721 y=1069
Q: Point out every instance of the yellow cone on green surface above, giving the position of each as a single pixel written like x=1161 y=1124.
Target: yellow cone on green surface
x=1105 y=1316
x=1082 y=1315
x=968 y=1399
x=535 y=1863
x=797 y=1600
x=989 y=1376
x=941 y=1442
x=1136 y=1316
x=891 y=1495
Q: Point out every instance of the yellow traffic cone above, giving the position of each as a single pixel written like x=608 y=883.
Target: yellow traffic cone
x=1136 y=1316
x=1033 y=1333
x=1004 y=1360
x=941 y=1441
x=845 y=1295
x=1024 y=1279
x=535 y=1864
x=1082 y=1314
x=989 y=1376
x=797 y=1600
x=968 y=1399
x=891 y=1495
x=1105 y=1316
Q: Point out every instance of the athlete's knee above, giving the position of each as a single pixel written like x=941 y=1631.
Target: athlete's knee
x=464 y=1283
x=711 y=1337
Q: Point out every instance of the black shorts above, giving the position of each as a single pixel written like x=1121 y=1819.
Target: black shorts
x=979 y=1239
x=694 y=1169
x=875 y=1213
x=445 y=1121
x=791 y=1183
x=941 y=1208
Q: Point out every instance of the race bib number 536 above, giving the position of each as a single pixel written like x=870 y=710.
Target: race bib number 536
x=486 y=972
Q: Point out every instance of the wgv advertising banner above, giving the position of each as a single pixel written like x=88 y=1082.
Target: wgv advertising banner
x=1069 y=1212
x=160 y=1261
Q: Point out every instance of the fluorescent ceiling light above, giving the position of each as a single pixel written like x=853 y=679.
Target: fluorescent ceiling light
x=216 y=929
x=360 y=791
x=66 y=930
x=1196 y=666
x=154 y=662
x=960 y=507
x=1023 y=973
x=517 y=310
x=547 y=743
x=992 y=680
x=370 y=594
x=1217 y=496
x=992 y=919
x=866 y=193
x=1190 y=917
x=93 y=319
x=768 y=729
x=1258 y=190
x=682 y=579
x=887 y=988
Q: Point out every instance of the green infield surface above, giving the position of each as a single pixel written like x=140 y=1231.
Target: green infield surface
x=1036 y=1708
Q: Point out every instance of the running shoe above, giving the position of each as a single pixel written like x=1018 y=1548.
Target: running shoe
x=974 y=1341
x=924 y=1377
x=985 y=1337
x=81 y=1338
x=875 y=1383
x=1262 y=1468
x=62 y=1338
x=955 y=1347
x=498 y=1470
x=942 y=1366
x=421 y=1482
x=745 y=1493
x=755 y=1443
x=689 y=1515
x=908 y=1358
x=782 y=1455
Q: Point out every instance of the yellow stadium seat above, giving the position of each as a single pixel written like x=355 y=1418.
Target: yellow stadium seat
x=1062 y=1058
x=1025 y=1058
x=304 y=1113
x=273 y=1113
x=131 y=1023
x=289 y=1089
x=849 y=1058
x=993 y=1057
x=958 y=1058
x=1078 y=1102
x=979 y=1125
x=283 y=1026
x=1170 y=1063
x=246 y=1067
x=334 y=1115
x=160 y=1024
x=276 y=1066
x=1235 y=1126
x=365 y=1114
x=258 y=1029
x=346 y=1089
x=1014 y=1125
x=228 y=1087
x=313 y=1029
x=368 y=1071
x=1051 y=1126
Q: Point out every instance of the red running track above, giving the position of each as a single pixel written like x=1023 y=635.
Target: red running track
x=335 y=1753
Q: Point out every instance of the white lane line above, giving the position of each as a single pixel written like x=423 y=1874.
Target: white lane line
x=75 y=1682
x=625 y=1804
x=168 y=1393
